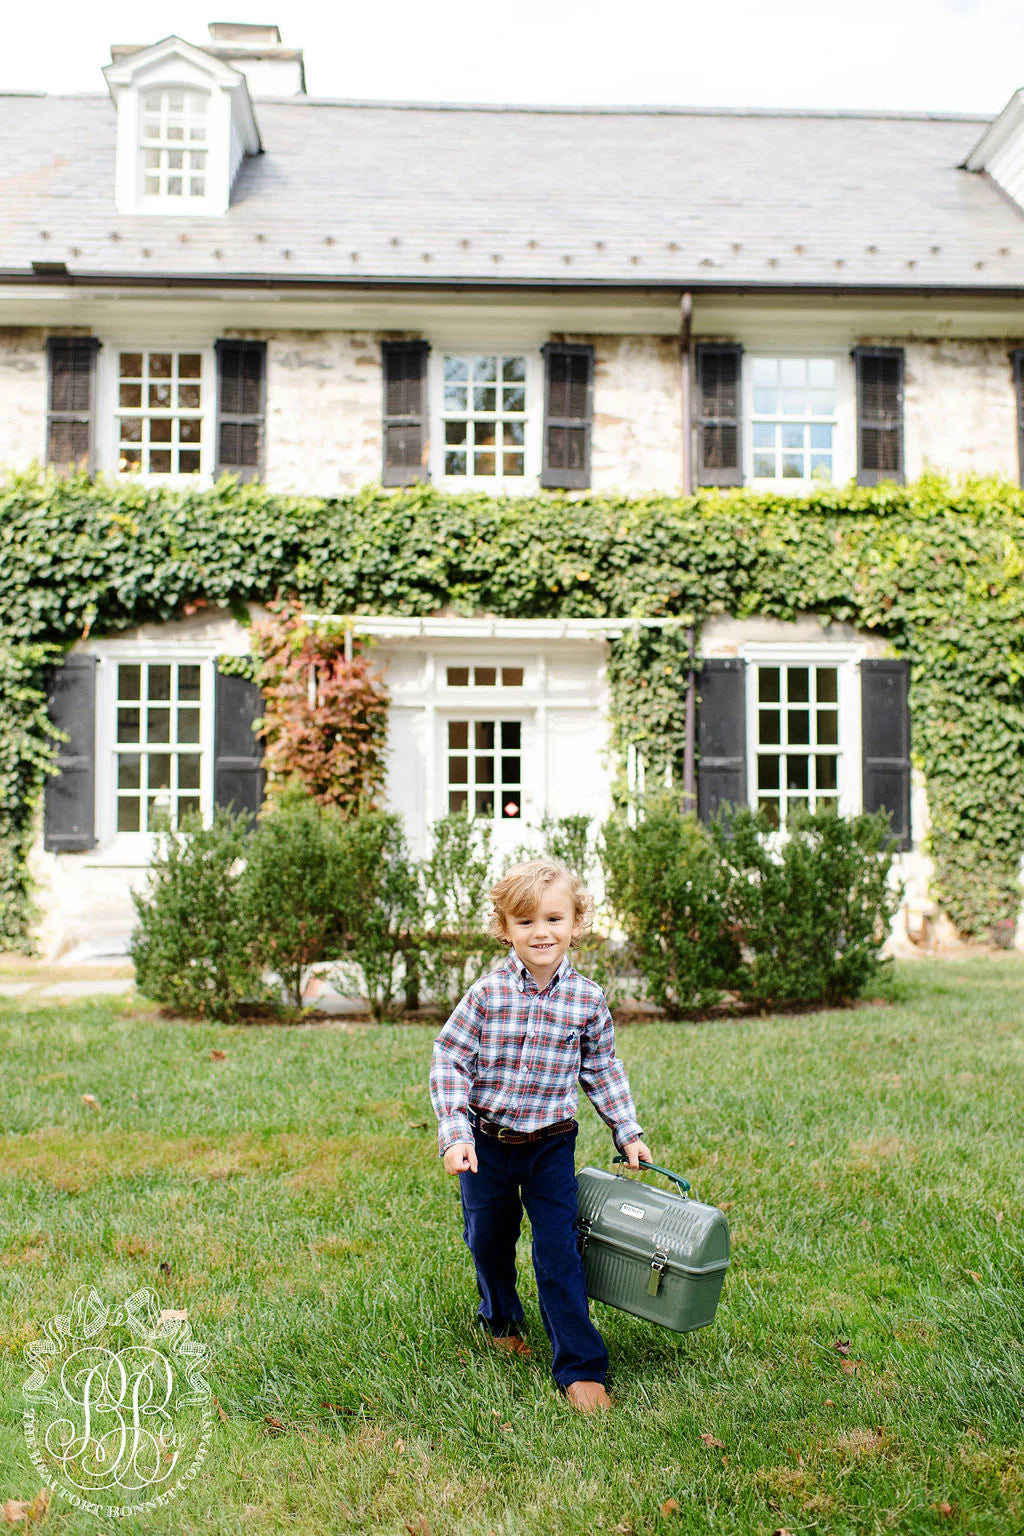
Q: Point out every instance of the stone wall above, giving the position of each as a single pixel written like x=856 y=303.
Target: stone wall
x=960 y=412
x=22 y=396
x=324 y=405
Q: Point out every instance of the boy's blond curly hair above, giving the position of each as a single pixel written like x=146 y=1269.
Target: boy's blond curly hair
x=519 y=891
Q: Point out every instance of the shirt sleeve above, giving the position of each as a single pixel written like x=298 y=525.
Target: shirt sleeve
x=603 y=1077
x=453 y=1071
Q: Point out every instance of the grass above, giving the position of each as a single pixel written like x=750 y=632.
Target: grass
x=290 y=1197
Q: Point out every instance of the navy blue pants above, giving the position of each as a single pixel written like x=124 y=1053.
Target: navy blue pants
x=542 y=1176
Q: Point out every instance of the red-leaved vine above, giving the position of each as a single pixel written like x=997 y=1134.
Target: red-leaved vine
x=325 y=715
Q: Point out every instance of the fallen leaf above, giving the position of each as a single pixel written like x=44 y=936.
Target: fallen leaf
x=274 y=1423
x=974 y=1275
x=782 y=1530
x=842 y=1345
x=850 y=1367
x=15 y=1512
x=174 y=1315
x=624 y=1530
x=165 y=1268
x=418 y=1125
x=91 y=1099
x=829 y=1403
x=218 y=1055
x=725 y=1461
x=421 y=1528
x=709 y=1440
x=220 y=1411
x=399 y=1446
x=945 y=1510
x=669 y=1507
x=790 y=1143
x=999 y=1218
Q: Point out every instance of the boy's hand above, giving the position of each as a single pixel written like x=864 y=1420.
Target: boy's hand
x=635 y=1150
x=459 y=1156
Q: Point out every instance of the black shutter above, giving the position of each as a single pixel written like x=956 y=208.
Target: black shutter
x=721 y=736
x=885 y=742
x=70 y=427
x=69 y=797
x=568 y=414
x=719 y=410
x=1018 y=389
x=241 y=408
x=879 y=414
x=237 y=752
x=406 y=438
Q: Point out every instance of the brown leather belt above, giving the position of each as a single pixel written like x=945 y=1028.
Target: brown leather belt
x=515 y=1138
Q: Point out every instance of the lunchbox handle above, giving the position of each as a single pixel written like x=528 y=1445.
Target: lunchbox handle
x=684 y=1184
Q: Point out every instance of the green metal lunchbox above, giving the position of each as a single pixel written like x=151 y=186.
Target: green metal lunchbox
x=652 y=1252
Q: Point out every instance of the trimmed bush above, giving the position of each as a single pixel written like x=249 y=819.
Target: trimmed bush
x=812 y=909
x=452 y=946
x=665 y=884
x=193 y=947
x=376 y=906
x=291 y=888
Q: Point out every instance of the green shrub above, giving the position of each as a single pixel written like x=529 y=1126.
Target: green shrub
x=452 y=945
x=812 y=908
x=192 y=946
x=376 y=905
x=664 y=882
x=291 y=888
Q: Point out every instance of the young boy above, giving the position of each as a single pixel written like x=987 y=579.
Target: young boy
x=503 y=1086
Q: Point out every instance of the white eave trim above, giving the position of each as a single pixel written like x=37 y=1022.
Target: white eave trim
x=400 y=628
x=1001 y=128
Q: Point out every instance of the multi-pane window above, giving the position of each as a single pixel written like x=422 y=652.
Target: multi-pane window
x=793 y=417
x=484 y=761
x=483 y=677
x=159 y=421
x=174 y=143
x=797 y=748
x=158 y=744
x=484 y=415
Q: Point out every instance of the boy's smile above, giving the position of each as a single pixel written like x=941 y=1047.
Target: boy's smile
x=542 y=939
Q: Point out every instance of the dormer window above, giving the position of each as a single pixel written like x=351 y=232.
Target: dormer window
x=174 y=126
x=185 y=124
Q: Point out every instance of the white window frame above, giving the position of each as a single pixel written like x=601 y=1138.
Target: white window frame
x=844 y=443
x=845 y=658
x=184 y=203
x=137 y=848
x=108 y=408
x=533 y=435
x=497 y=717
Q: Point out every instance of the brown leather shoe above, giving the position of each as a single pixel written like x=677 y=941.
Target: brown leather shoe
x=588 y=1396
x=511 y=1343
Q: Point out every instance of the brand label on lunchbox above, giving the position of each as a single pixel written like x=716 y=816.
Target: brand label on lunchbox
x=632 y=1210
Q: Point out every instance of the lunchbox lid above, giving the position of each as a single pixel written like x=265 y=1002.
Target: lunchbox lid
x=639 y=1219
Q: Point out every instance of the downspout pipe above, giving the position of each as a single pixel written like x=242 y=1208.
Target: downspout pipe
x=686 y=429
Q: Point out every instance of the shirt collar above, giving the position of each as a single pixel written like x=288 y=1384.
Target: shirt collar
x=523 y=976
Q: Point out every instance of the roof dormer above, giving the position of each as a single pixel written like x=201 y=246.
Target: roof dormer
x=1000 y=150
x=185 y=122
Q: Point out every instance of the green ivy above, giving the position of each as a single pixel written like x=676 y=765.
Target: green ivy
x=934 y=568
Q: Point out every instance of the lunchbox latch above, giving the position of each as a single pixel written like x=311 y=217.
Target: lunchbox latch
x=657 y=1270
x=583 y=1227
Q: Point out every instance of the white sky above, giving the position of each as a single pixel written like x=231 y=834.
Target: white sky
x=931 y=55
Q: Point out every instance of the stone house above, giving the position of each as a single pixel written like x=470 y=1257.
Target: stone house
x=204 y=269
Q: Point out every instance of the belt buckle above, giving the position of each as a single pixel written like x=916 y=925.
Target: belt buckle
x=504 y=1133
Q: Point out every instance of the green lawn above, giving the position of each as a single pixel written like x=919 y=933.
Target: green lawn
x=870 y=1162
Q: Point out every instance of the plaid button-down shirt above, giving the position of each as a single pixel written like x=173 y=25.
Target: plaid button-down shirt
x=516 y=1051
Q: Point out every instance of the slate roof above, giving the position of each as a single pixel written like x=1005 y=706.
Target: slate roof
x=363 y=191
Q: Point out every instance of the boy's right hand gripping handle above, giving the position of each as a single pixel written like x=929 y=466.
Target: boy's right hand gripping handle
x=684 y=1184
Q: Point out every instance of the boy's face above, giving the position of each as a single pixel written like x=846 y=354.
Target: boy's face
x=542 y=938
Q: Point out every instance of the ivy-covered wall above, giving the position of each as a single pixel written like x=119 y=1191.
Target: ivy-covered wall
x=935 y=568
